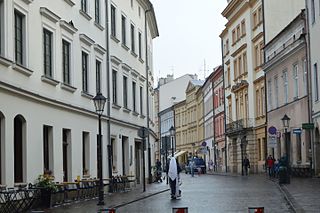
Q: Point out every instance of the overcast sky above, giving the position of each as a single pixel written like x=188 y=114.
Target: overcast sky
x=189 y=36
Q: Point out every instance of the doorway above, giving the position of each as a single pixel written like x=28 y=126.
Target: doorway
x=19 y=148
x=138 y=160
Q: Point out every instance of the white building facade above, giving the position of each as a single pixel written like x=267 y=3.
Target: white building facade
x=53 y=62
x=314 y=30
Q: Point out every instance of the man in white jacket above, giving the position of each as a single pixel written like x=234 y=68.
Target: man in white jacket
x=173 y=173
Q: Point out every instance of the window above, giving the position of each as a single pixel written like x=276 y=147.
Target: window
x=98 y=76
x=227 y=46
x=141 y=100
x=260 y=18
x=285 y=85
x=233 y=36
x=47 y=148
x=66 y=61
x=125 y=92
x=313 y=12
x=97 y=11
x=276 y=90
x=85 y=153
x=240 y=65
x=238 y=32
x=256 y=56
x=255 y=19
x=270 y=94
x=316 y=82
x=84 y=5
x=295 y=80
x=132 y=38
x=19 y=37
x=134 y=96
x=131 y=3
x=114 y=86
x=243 y=27
x=245 y=65
x=228 y=76
x=258 y=103
x=140 y=45
x=304 y=74
x=261 y=55
x=123 y=25
x=113 y=21
x=235 y=69
x=246 y=105
x=263 y=108
x=84 y=72
x=47 y=53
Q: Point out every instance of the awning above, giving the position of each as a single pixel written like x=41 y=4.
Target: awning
x=179 y=153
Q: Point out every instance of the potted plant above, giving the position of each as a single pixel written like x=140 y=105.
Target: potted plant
x=47 y=187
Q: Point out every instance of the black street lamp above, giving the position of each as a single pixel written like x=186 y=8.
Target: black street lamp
x=215 y=157
x=99 y=101
x=172 y=131
x=286 y=124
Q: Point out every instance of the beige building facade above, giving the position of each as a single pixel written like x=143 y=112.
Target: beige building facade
x=242 y=46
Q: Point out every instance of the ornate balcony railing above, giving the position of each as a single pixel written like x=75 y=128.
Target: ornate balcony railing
x=239 y=125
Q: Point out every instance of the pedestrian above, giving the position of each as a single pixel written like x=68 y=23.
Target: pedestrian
x=192 y=165
x=270 y=164
x=174 y=176
x=246 y=165
x=210 y=165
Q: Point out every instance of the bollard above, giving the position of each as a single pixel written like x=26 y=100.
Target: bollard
x=180 y=210
x=255 y=209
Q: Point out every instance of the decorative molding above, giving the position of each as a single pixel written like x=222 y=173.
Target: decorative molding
x=125 y=47
x=22 y=69
x=134 y=73
x=142 y=116
x=85 y=15
x=115 y=60
x=99 y=49
x=99 y=26
x=67 y=87
x=49 y=80
x=85 y=39
x=68 y=26
x=70 y=2
x=86 y=95
x=27 y=1
x=115 y=106
x=114 y=39
x=49 y=14
x=126 y=67
x=142 y=78
x=134 y=54
x=4 y=61
x=126 y=110
x=141 y=60
x=135 y=113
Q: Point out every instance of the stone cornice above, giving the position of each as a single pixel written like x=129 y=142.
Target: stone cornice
x=68 y=27
x=49 y=14
x=86 y=39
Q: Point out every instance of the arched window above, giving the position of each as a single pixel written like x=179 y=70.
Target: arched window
x=19 y=148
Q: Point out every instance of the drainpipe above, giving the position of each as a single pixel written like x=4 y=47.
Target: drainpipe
x=108 y=92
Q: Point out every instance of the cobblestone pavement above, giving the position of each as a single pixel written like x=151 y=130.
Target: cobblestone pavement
x=213 y=193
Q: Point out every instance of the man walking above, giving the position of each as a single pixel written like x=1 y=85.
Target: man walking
x=246 y=165
x=173 y=173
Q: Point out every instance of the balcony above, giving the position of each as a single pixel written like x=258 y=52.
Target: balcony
x=238 y=126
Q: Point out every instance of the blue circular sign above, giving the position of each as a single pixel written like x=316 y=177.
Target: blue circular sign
x=204 y=143
x=272 y=130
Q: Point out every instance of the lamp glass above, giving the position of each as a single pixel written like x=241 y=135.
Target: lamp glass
x=285 y=121
x=99 y=101
x=172 y=131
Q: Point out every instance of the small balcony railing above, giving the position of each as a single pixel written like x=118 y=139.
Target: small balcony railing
x=239 y=125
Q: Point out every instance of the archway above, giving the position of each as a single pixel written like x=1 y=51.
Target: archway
x=19 y=148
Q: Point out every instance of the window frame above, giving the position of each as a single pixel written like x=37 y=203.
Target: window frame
x=66 y=73
x=97 y=11
x=98 y=76
x=85 y=71
x=114 y=86
x=47 y=53
x=123 y=30
x=125 y=91
x=113 y=21
x=21 y=59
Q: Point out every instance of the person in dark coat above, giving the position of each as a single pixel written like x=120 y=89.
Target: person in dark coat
x=246 y=165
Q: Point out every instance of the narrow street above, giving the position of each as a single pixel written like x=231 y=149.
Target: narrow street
x=212 y=193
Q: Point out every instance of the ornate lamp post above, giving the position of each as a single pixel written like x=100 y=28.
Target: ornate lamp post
x=99 y=101
x=286 y=124
x=172 y=131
